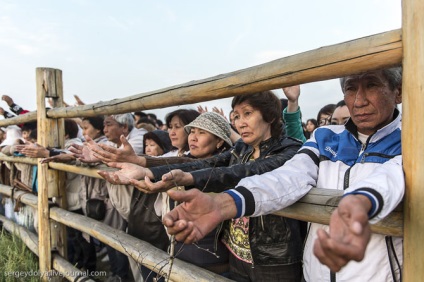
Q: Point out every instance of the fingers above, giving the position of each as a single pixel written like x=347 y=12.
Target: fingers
x=46 y=160
x=183 y=230
x=124 y=141
x=140 y=185
x=102 y=155
x=168 y=176
x=78 y=100
x=325 y=249
x=76 y=149
x=183 y=196
x=114 y=178
x=89 y=140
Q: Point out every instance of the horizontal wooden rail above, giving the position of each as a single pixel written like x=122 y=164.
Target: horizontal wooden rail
x=31 y=241
x=372 y=52
x=24 y=197
x=87 y=171
x=83 y=170
x=140 y=251
x=23 y=160
x=318 y=205
x=31 y=116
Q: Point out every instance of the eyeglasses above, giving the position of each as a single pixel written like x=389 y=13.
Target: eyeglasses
x=325 y=121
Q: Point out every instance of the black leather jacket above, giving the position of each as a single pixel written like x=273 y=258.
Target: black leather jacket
x=225 y=170
x=274 y=240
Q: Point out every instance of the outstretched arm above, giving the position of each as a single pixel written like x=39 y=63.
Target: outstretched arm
x=169 y=180
x=123 y=173
x=33 y=150
x=198 y=214
x=349 y=233
x=125 y=154
x=83 y=153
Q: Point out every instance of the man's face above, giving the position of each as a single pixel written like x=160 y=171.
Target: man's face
x=113 y=130
x=370 y=100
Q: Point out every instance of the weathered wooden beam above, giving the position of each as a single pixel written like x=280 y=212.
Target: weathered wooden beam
x=413 y=136
x=25 y=197
x=87 y=171
x=31 y=116
x=372 y=52
x=24 y=160
x=318 y=205
x=50 y=133
x=140 y=251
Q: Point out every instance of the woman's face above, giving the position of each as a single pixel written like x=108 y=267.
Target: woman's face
x=250 y=124
x=88 y=129
x=310 y=126
x=177 y=134
x=202 y=143
x=152 y=148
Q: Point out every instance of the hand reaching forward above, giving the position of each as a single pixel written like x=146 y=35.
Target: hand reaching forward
x=125 y=172
x=349 y=235
x=169 y=180
x=33 y=150
x=109 y=154
x=61 y=158
x=198 y=214
x=83 y=153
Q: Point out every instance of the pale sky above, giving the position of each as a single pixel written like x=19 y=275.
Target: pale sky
x=114 y=49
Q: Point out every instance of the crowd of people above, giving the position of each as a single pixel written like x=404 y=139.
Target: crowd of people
x=203 y=186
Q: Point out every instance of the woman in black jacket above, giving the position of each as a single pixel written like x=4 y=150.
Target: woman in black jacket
x=267 y=248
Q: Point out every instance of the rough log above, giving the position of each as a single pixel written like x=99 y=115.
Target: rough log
x=140 y=251
x=413 y=136
x=371 y=52
x=25 y=197
x=91 y=172
x=31 y=116
x=318 y=205
x=51 y=183
x=23 y=160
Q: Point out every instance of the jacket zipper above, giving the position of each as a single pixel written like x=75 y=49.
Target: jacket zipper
x=262 y=223
x=218 y=230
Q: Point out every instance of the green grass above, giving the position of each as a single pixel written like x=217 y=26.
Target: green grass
x=16 y=260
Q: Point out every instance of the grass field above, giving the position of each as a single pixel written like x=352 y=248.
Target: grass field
x=17 y=262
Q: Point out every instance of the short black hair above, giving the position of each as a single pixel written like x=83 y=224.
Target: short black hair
x=186 y=116
x=29 y=126
x=96 y=122
x=71 y=128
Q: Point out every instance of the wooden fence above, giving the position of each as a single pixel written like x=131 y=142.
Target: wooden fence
x=404 y=46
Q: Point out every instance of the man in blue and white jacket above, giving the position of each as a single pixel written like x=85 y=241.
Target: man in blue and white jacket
x=363 y=158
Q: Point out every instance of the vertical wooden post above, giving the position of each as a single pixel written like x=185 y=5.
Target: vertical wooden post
x=50 y=133
x=413 y=136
